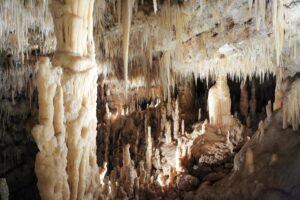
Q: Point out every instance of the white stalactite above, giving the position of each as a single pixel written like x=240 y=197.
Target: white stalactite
x=278 y=27
x=155 y=6
x=127 y=7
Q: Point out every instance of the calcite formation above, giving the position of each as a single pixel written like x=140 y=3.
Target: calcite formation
x=291 y=105
x=66 y=164
x=219 y=103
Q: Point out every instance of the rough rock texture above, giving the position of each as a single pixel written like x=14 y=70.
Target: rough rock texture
x=259 y=167
x=66 y=165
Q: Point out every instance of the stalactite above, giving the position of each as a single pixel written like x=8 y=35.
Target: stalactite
x=278 y=27
x=179 y=156
x=255 y=57
x=250 y=3
x=260 y=13
x=127 y=6
x=154 y=6
x=165 y=76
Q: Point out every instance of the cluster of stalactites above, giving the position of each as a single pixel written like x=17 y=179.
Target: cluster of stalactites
x=278 y=27
x=278 y=22
x=141 y=41
x=19 y=19
x=254 y=59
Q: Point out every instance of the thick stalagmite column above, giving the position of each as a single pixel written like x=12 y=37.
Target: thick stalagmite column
x=66 y=164
x=219 y=103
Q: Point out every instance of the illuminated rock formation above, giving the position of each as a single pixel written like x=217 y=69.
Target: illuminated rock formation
x=219 y=103
x=66 y=165
x=291 y=105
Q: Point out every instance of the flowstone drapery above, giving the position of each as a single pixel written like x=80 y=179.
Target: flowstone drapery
x=66 y=165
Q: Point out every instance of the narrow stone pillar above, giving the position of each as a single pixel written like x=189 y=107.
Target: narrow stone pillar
x=66 y=165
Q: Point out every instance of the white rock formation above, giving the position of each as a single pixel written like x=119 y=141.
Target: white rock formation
x=291 y=106
x=66 y=164
x=219 y=103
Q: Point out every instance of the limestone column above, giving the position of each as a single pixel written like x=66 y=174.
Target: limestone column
x=219 y=103
x=66 y=164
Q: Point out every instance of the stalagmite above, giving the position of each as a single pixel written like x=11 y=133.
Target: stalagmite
x=102 y=173
x=163 y=120
x=113 y=184
x=175 y=114
x=126 y=155
x=172 y=175
x=149 y=151
x=199 y=114
x=168 y=133
x=269 y=110
x=128 y=173
x=127 y=6
x=66 y=136
x=50 y=134
x=244 y=103
x=179 y=156
x=219 y=103
x=253 y=99
x=107 y=133
x=182 y=128
x=142 y=173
